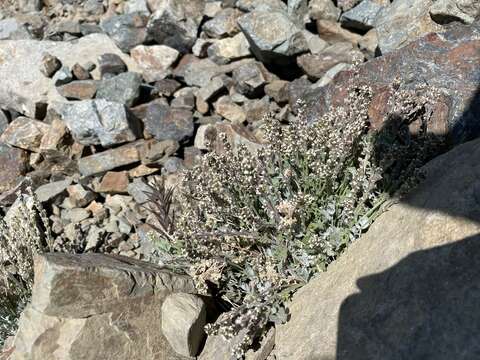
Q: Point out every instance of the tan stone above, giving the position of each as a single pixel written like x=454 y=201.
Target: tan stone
x=114 y=183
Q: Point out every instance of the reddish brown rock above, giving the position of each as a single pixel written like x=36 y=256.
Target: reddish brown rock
x=25 y=133
x=448 y=61
x=79 y=90
x=13 y=164
x=114 y=183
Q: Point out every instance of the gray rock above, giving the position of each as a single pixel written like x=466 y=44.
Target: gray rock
x=137 y=6
x=154 y=60
x=361 y=17
x=79 y=196
x=123 y=88
x=446 y=11
x=223 y=24
x=403 y=22
x=3 y=122
x=157 y=152
x=62 y=76
x=166 y=87
x=398 y=289
x=183 y=319
x=250 y=5
x=25 y=89
x=75 y=215
x=223 y=51
x=111 y=159
x=299 y=10
x=273 y=36
x=12 y=29
x=251 y=78
x=316 y=65
x=128 y=30
x=184 y=99
x=166 y=123
x=323 y=10
x=171 y=25
x=200 y=72
x=51 y=190
x=139 y=190
x=315 y=43
x=99 y=122
x=211 y=89
x=100 y=305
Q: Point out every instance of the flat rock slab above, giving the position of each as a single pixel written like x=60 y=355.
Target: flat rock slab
x=94 y=306
x=408 y=289
x=448 y=61
x=25 y=89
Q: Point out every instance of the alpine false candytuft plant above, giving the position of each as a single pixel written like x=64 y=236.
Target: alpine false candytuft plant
x=252 y=226
x=24 y=232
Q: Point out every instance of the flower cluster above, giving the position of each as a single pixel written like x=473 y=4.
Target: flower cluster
x=255 y=225
x=24 y=232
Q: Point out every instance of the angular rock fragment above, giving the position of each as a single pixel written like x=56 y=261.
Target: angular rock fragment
x=183 y=319
x=251 y=78
x=25 y=89
x=273 y=36
x=211 y=89
x=323 y=10
x=154 y=60
x=171 y=25
x=79 y=196
x=361 y=17
x=14 y=165
x=127 y=30
x=278 y=90
x=50 y=65
x=51 y=190
x=25 y=133
x=111 y=159
x=99 y=122
x=166 y=123
x=123 y=88
x=225 y=107
x=79 y=90
x=114 y=183
x=200 y=72
x=333 y=32
x=223 y=24
x=157 y=152
x=62 y=76
x=82 y=296
x=446 y=11
x=250 y=5
x=12 y=29
x=223 y=51
x=111 y=64
x=139 y=190
x=403 y=22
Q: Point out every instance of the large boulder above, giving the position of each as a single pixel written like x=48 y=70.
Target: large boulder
x=402 y=22
x=96 y=306
x=409 y=287
x=24 y=88
x=448 y=61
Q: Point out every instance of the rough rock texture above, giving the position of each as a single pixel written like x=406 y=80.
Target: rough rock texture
x=183 y=319
x=155 y=60
x=77 y=297
x=24 y=88
x=123 y=88
x=14 y=165
x=445 y=11
x=406 y=289
x=272 y=35
x=127 y=30
x=402 y=22
x=99 y=121
x=448 y=61
x=25 y=133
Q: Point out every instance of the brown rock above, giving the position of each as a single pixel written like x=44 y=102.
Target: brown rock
x=156 y=152
x=53 y=138
x=95 y=306
x=79 y=196
x=50 y=65
x=333 y=32
x=403 y=281
x=80 y=72
x=13 y=165
x=114 y=183
x=316 y=65
x=448 y=62
x=25 y=133
x=79 y=90
x=278 y=90
x=111 y=159
x=229 y=110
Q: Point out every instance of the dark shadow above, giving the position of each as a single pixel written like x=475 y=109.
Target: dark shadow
x=426 y=306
